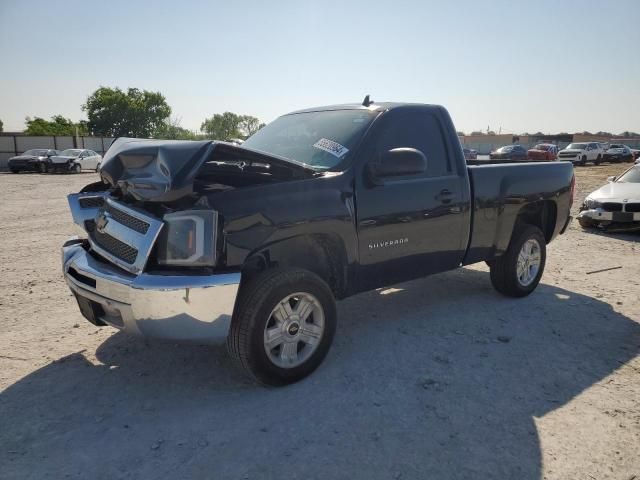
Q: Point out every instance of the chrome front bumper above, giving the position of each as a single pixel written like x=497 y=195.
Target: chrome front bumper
x=177 y=307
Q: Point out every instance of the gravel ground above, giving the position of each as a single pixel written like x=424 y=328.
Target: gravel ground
x=436 y=378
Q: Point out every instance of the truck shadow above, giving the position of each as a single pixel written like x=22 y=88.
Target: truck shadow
x=435 y=378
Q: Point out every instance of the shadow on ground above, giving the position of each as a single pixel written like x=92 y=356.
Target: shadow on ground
x=436 y=378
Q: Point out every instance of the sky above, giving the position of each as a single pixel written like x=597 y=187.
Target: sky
x=511 y=66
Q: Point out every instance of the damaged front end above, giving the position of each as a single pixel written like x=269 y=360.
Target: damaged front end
x=150 y=263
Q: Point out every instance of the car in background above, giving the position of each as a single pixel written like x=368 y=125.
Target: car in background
x=604 y=146
x=618 y=153
x=509 y=152
x=636 y=153
x=615 y=205
x=75 y=160
x=582 y=152
x=32 y=160
x=470 y=153
x=543 y=152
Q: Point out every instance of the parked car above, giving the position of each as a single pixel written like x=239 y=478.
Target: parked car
x=636 y=153
x=75 y=160
x=543 y=151
x=509 y=152
x=604 y=146
x=618 y=153
x=581 y=153
x=617 y=204
x=183 y=237
x=31 y=160
x=470 y=153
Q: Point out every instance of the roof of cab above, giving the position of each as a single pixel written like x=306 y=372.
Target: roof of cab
x=374 y=107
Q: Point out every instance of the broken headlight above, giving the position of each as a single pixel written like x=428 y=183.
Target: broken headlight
x=188 y=239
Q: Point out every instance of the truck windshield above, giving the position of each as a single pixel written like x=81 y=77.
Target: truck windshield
x=577 y=146
x=322 y=140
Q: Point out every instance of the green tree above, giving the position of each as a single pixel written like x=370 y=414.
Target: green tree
x=134 y=113
x=249 y=125
x=58 y=125
x=171 y=130
x=223 y=126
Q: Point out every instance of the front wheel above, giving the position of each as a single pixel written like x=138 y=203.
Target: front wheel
x=518 y=272
x=283 y=326
x=77 y=168
x=585 y=222
x=44 y=168
x=583 y=161
x=598 y=160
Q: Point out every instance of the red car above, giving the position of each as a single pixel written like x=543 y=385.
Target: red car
x=543 y=151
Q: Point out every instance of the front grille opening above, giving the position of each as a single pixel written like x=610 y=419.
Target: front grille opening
x=612 y=207
x=81 y=278
x=127 y=220
x=91 y=202
x=632 y=207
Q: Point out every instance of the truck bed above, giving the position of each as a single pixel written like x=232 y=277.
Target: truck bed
x=499 y=192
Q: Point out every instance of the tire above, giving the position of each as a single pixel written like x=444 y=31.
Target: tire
x=598 y=160
x=255 y=314
x=504 y=269
x=583 y=161
x=77 y=168
x=44 y=168
x=13 y=170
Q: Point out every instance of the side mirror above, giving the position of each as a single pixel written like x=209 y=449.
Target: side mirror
x=398 y=162
x=612 y=178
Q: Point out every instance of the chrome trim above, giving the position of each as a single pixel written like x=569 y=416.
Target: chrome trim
x=143 y=243
x=175 y=307
x=80 y=214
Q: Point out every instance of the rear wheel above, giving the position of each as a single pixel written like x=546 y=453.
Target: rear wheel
x=598 y=160
x=518 y=272
x=283 y=326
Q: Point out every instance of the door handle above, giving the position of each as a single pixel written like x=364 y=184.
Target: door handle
x=444 y=196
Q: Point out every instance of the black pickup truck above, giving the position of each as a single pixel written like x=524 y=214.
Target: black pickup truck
x=193 y=240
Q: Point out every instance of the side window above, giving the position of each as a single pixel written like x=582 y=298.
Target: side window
x=420 y=130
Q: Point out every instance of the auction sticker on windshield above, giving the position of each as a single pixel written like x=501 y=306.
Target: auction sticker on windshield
x=334 y=148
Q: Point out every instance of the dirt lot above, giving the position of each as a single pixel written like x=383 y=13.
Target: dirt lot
x=437 y=378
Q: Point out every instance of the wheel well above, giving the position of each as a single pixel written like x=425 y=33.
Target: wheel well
x=541 y=214
x=323 y=255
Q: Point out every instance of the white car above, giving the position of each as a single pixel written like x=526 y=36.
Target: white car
x=617 y=204
x=581 y=153
x=75 y=160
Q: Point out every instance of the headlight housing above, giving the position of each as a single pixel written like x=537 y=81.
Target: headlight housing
x=188 y=239
x=591 y=203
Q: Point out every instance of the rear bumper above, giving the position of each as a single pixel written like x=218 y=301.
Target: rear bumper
x=174 y=307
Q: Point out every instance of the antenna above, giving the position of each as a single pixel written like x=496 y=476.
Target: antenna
x=366 y=102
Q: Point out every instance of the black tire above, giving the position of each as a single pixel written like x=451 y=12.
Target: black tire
x=503 y=269
x=253 y=310
x=44 y=168
x=13 y=170
x=585 y=222
x=77 y=168
x=583 y=162
x=598 y=160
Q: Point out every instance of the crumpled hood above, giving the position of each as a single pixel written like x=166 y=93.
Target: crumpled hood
x=165 y=170
x=617 y=191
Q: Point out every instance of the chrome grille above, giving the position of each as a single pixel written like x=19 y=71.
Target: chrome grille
x=121 y=234
x=130 y=221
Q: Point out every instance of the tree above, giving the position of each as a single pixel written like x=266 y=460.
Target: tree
x=249 y=125
x=136 y=113
x=171 y=130
x=1 y=125
x=223 y=126
x=58 y=125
